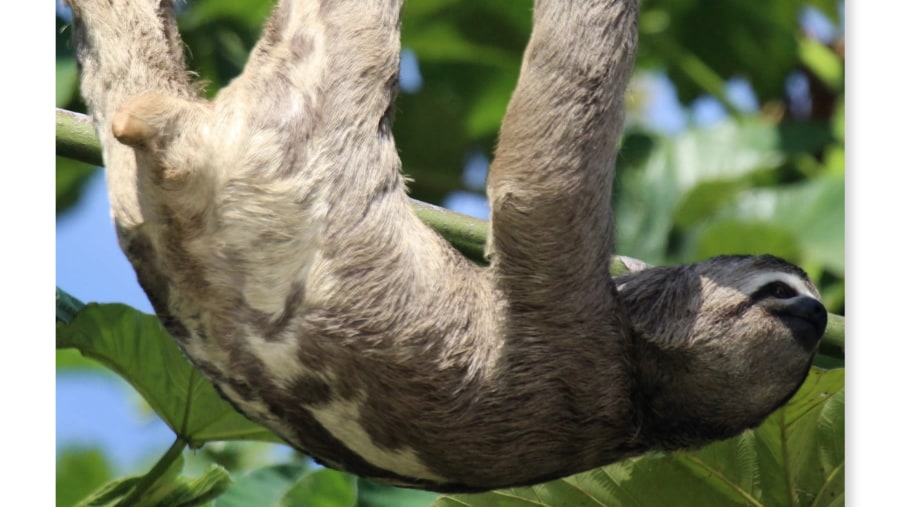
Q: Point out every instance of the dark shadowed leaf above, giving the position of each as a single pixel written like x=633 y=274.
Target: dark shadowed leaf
x=67 y=306
x=796 y=457
x=730 y=38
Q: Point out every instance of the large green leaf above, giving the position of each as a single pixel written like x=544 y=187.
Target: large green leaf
x=262 y=487
x=135 y=345
x=374 y=494
x=298 y=484
x=803 y=221
x=796 y=458
x=682 y=179
x=322 y=488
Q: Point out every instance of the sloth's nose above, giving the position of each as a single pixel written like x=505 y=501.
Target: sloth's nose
x=806 y=319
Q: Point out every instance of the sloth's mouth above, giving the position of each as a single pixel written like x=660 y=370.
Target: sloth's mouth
x=806 y=331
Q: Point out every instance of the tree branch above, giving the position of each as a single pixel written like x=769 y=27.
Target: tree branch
x=75 y=139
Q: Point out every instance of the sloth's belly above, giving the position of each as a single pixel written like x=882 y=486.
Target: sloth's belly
x=300 y=403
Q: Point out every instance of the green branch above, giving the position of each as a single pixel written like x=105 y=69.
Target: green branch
x=75 y=139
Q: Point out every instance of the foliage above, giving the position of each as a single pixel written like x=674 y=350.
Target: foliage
x=762 y=180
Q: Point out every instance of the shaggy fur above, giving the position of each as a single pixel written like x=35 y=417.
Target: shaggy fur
x=271 y=230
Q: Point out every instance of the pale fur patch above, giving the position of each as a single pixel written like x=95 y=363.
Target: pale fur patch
x=341 y=418
x=280 y=359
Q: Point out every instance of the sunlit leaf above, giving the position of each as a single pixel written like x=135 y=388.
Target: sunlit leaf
x=180 y=491
x=807 y=219
x=110 y=493
x=692 y=175
x=823 y=62
x=136 y=346
x=168 y=490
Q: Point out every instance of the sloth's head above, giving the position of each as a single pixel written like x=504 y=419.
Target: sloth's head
x=720 y=344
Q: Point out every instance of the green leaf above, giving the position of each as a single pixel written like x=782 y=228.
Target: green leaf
x=168 y=490
x=78 y=473
x=488 y=104
x=262 y=487
x=322 y=488
x=71 y=177
x=442 y=41
x=469 y=54
x=704 y=199
x=66 y=80
x=66 y=67
x=796 y=457
x=757 y=40
x=725 y=237
x=135 y=345
x=837 y=122
x=823 y=62
x=110 y=493
x=694 y=174
x=187 y=492
x=67 y=306
x=71 y=359
x=374 y=494
x=804 y=222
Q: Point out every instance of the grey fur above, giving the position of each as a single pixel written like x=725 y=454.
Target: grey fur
x=271 y=230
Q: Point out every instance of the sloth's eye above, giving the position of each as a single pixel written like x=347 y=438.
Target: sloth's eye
x=779 y=290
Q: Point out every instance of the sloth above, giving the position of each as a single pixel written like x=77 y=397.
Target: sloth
x=271 y=230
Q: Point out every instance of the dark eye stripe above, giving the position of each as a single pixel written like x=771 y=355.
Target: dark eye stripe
x=777 y=289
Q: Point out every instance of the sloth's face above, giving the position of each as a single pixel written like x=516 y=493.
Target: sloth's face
x=722 y=343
